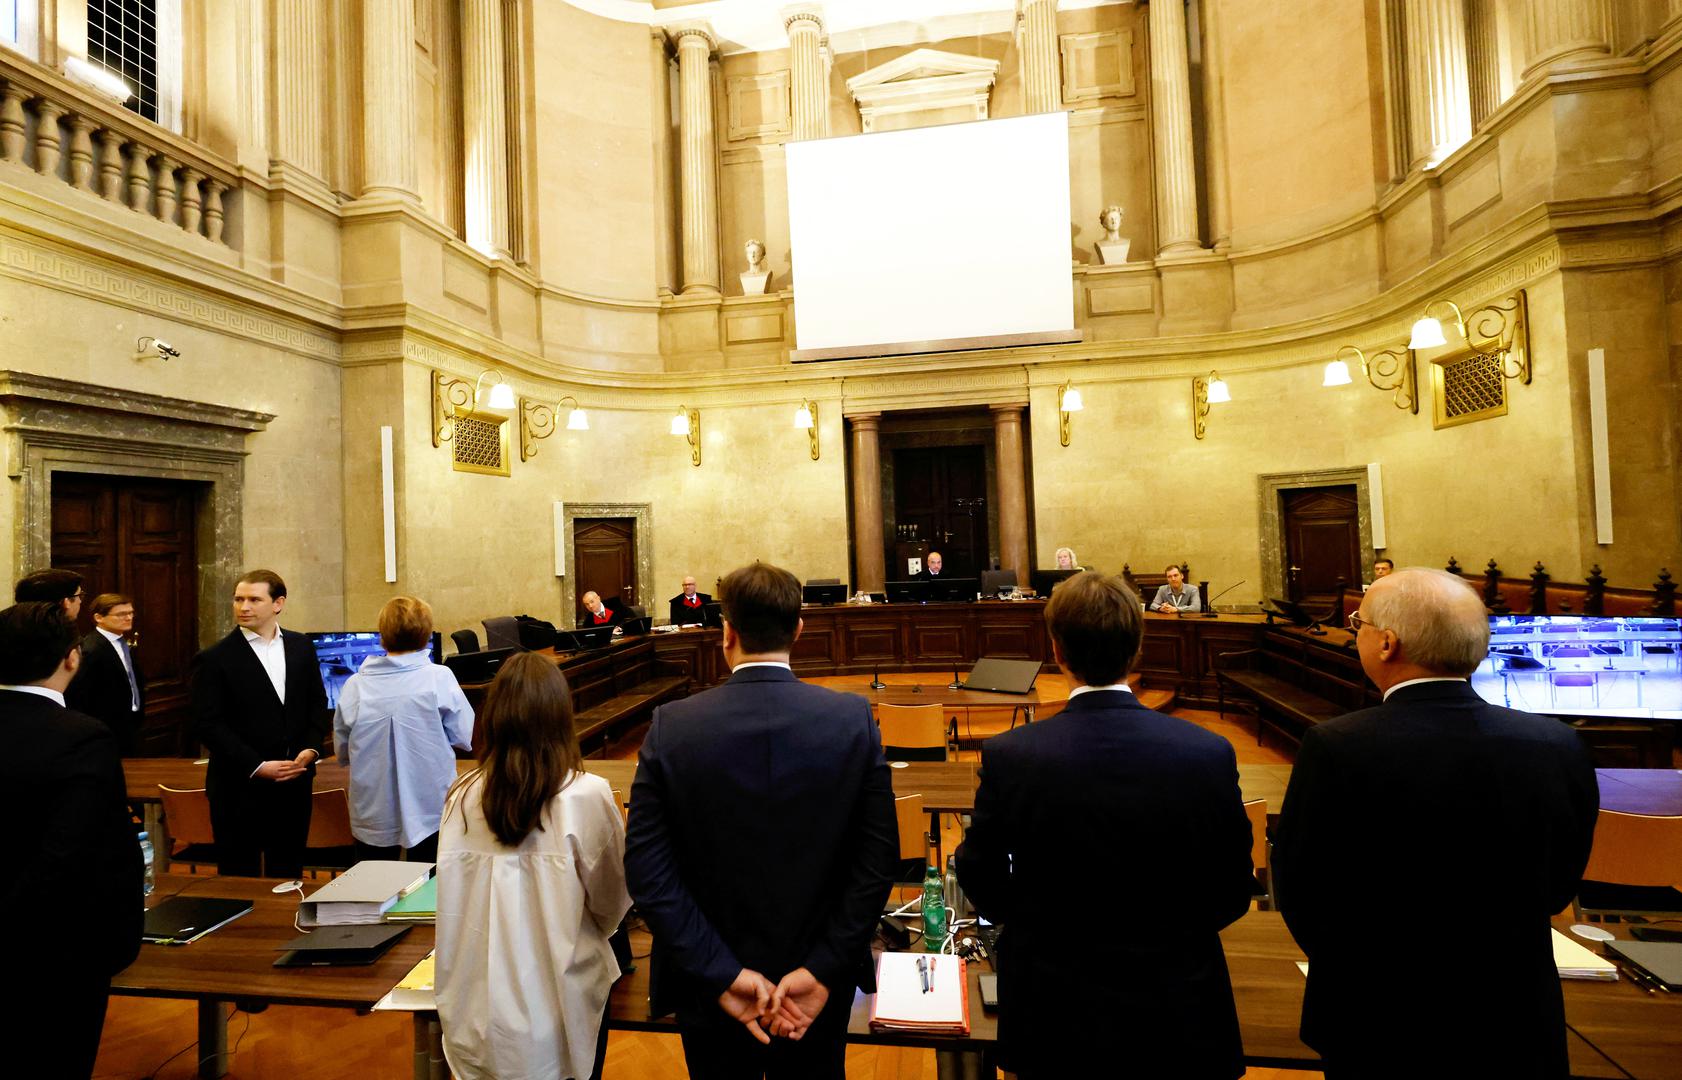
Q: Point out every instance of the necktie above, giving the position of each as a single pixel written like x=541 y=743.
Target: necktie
x=128 y=667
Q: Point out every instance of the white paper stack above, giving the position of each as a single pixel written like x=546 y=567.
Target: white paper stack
x=362 y=894
x=932 y=998
x=1576 y=962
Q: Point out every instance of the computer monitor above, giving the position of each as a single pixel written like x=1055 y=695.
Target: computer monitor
x=713 y=615
x=953 y=589
x=1583 y=665
x=833 y=593
x=478 y=667
x=907 y=592
x=1044 y=581
x=586 y=637
x=994 y=582
x=1289 y=610
x=341 y=652
x=636 y=627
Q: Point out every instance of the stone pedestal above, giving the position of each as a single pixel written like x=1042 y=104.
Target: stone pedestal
x=754 y=284
x=1112 y=252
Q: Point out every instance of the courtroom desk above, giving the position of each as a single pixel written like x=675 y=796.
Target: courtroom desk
x=700 y=648
x=593 y=675
x=1179 y=652
x=236 y=963
x=860 y=638
x=1640 y=1032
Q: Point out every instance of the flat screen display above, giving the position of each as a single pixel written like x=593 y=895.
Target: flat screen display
x=341 y=653
x=1583 y=664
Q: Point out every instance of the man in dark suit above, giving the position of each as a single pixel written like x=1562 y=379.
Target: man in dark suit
x=1432 y=796
x=62 y=587
x=1147 y=985
x=932 y=568
x=261 y=709
x=688 y=605
x=760 y=849
x=110 y=686
x=72 y=887
x=599 y=613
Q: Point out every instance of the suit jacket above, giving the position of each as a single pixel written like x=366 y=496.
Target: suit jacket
x=1477 y=810
x=239 y=717
x=614 y=611
x=683 y=613
x=101 y=690
x=75 y=880
x=762 y=835
x=1122 y=937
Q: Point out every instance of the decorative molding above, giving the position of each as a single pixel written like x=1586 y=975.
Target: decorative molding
x=758 y=106
x=1271 y=486
x=1097 y=65
x=1612 y=251
x=924 y=81
x=642 y=530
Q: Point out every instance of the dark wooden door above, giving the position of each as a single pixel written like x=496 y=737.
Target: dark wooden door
x=604 y=556
x=1322 y=544
x=942 y=494
x=137 y=537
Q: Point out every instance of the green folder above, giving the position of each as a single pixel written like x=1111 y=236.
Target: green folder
x=419 y=906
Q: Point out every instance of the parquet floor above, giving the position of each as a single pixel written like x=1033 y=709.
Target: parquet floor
x=286 y=1043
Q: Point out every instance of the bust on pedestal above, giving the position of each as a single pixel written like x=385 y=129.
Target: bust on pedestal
x=1111 y=247
x=755 y=276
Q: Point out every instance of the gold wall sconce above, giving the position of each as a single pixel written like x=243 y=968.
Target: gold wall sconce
x=806 y=417
x=687 y=424
x=1068 y=401
x=537 y=421
x=1501 y=331
x=452 y=397
x=1205 y=391
x=1387 y=369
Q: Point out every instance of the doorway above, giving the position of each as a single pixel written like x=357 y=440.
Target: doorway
x=941 y=501
x=1322 y=544
x=137 y=536
x=604 y=553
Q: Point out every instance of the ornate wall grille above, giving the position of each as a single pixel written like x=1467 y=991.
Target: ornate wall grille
x=1469 y=389
x=480 y=444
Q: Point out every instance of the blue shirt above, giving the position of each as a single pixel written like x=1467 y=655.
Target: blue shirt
x=397 y=719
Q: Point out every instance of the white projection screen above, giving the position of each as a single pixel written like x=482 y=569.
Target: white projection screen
x=935 y=238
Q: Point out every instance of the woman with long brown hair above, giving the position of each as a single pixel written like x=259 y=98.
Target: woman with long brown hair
x=531 y=883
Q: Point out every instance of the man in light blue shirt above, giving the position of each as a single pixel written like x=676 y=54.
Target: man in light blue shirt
x=398 y=718
x=1176 y=596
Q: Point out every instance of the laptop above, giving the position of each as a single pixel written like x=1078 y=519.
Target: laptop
x=477 y=667
x=182 y=919
x=336 y=946
x=1003 y=676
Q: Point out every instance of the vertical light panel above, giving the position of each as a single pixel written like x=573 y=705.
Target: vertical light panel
x=1375 y=494
x=388 y=504
x=560 y=539
x=1601 y=448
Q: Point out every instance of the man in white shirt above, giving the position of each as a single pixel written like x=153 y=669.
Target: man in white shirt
x=260 y=707
x=110 y=687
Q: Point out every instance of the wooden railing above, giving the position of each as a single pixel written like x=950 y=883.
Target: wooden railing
x=60 y=129
x=1539 y=594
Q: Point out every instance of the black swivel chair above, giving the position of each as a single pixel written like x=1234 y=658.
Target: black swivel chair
x=502 y=632
x=466 y=641
x=993 y=581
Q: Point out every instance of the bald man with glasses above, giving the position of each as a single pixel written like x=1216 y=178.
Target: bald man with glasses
x=688 y=605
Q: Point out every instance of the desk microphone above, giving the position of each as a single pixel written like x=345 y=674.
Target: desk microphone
x=1212 y=613
x=876 y=682
x=954 y=684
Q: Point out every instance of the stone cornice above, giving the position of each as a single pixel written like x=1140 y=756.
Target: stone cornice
x=16 y=386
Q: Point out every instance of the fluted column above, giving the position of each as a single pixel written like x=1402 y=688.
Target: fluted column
x=1483 y=63
x=1439 y=93
x=1562 y=31
x=1042 y=83
x=484 y=126
x=696 y=154
x=388 y=99
x=1214 y=116
x=808 y=71
x=1675 y=10
x=870 y=571
x=300 y=76
x=1176 y=179
x=1013 y=490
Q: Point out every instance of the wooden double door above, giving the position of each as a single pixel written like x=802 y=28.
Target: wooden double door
x=941 y=494
x=1322 y=544
x=137 y=536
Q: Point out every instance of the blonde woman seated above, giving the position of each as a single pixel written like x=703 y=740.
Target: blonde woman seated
x=1066 y=559
x=531 y=883
x=1176 y=596
x=397 y=719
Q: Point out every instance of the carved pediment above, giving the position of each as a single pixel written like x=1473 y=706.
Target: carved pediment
x=925 y=86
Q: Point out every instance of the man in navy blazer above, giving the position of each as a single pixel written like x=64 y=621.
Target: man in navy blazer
x=1110 y=951
x=760 y=849
x=261 y=709
x=1434 y=796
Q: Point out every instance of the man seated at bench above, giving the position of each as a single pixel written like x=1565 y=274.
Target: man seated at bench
x=1176 y=596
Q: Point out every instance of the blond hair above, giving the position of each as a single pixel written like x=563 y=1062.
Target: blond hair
x=405 y=624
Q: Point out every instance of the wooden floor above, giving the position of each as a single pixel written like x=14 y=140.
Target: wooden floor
x=328 y=1044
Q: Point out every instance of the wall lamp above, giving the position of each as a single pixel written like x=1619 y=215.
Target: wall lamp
x=1068 y=401
x=1205 y=391
x=537 y=421
x=806 y=417
x=501 y=395
x=686 y=422
x=1387 y=369
x=1500 y=330
x=450 y=396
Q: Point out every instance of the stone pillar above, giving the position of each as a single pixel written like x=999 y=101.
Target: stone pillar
x=870 y=560
x=1483 y=64
x=1176 y=180
x=388 y=100
x=300 y=76
x=484 y=127
x=1214 y=116
x=697 y=158
x=1561 y=31
x=1439 y=94
x=808 y=70
x=1042 y=82
x=1013 y=490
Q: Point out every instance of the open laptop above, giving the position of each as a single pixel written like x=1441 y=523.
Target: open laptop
x=182 y=919
x=1003 y=676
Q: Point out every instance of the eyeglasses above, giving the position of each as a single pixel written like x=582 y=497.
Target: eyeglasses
x=1355 y=622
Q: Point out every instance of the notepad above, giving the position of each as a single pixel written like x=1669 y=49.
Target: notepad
x=902 y=1004
x=1576 y=962
x=415 y=991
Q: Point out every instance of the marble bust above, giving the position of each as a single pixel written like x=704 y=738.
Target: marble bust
x=755 y=276
x=1111 y=247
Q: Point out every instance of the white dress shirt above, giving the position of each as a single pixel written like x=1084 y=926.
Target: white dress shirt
x=118 y=643
x=1079 y=690
x=1415 y=682
x=272 y=655
x=53 y=695
x=524 y=965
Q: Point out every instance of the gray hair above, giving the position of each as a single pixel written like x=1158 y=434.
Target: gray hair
x=1438 y=617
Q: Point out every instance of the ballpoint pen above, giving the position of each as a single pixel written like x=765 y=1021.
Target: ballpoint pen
x=923 y=972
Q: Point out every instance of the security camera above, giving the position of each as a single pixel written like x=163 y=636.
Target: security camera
x=165 y=349
x=148 y=347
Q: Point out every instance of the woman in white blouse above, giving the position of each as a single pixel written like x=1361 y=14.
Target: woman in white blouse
x=531 y=883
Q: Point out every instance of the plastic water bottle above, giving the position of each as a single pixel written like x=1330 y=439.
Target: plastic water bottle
x=146 y=857
x=954 y=895
x=934 y=910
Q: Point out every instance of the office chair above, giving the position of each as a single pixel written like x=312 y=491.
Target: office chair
x=330 y=845
x=502 y=632
x=1635 y=867
x=187 y=821
x=913 y=826
x=466 y=641
x=915 y=732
